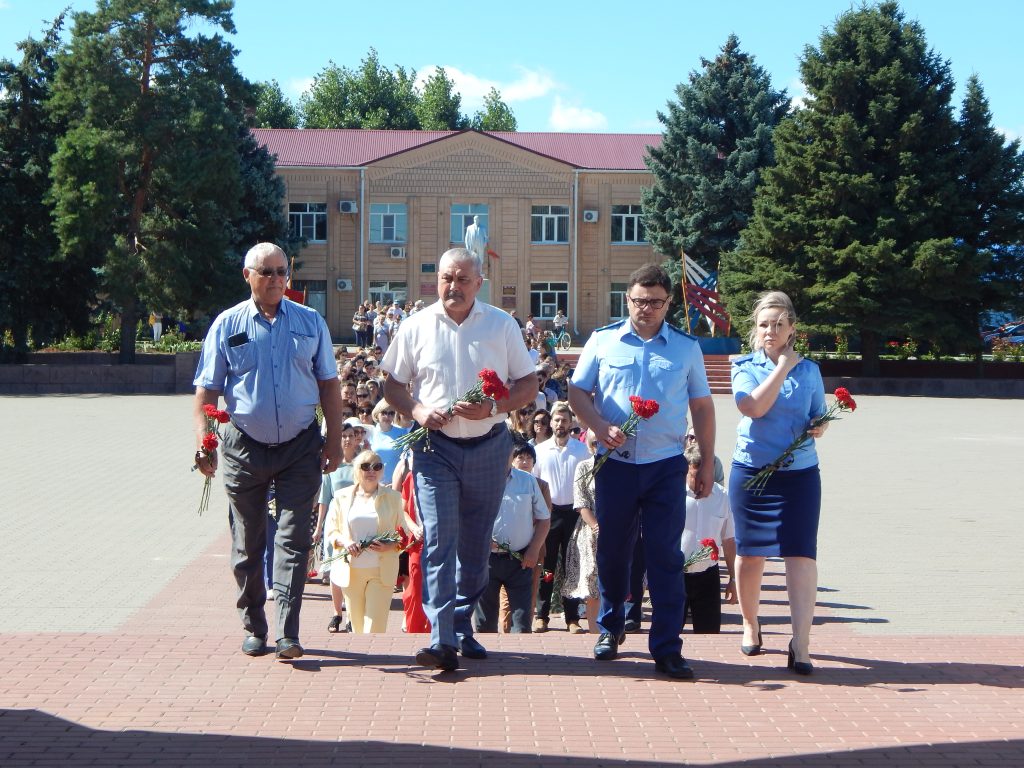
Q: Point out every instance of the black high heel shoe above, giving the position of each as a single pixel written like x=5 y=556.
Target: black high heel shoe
x=800 y=667
x=752 y=650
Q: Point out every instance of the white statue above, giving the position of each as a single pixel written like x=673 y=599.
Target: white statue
x=476 y=242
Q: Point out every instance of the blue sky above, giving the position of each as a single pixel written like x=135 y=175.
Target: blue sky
x=580 y=66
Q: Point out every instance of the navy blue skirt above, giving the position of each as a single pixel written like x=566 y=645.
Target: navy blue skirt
x=781 y=520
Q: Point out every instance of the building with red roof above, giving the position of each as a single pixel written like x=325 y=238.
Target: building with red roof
x=377 y=209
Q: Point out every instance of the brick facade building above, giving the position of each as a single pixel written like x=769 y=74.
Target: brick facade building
x=562 y=212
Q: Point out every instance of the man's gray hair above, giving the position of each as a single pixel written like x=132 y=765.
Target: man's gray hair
x=462 y=255
x=692 y=453
x=260 y=251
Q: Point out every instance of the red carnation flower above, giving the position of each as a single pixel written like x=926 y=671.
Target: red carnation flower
x=548 y=577
x=223 y=417
x=210 y=442
x=210 y=410
x=311 y=575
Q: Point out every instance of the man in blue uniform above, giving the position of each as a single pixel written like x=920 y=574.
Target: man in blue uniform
x=273 y=361
x=643 y=480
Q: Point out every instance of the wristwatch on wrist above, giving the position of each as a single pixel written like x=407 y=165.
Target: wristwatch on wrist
x=494 y=407
x=199 y=455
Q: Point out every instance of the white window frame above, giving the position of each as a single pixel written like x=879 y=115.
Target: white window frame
x=304 y=218
x=547 y=298
x=617 y=299
x=387 y=291
x=553 y=221
x=461 y=216
x=389 y=216
x=629 y=221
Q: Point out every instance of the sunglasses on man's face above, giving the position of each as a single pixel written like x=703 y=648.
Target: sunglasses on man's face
x=376 y=467
x=362 y=394
x=267 y=272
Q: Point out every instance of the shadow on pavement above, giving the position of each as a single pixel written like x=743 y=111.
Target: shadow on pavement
x=28 y=736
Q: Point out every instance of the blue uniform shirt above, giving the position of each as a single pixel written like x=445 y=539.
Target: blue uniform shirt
x=802 y=398
x=267 y=371
x=669 y=367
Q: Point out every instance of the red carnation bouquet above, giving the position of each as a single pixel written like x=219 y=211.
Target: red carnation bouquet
x=642 y=409
x=843 y=402
x=488 y=385
x=391 y=537
x=708 y=550
x=214 y=418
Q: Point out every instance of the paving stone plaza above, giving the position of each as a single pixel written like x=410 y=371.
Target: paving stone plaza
x=121 y=640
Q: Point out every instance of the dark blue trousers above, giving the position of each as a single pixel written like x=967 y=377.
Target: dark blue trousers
x=654 y=494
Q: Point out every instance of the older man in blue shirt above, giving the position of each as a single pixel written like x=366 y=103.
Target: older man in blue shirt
x=273 y=362
x=644 y=480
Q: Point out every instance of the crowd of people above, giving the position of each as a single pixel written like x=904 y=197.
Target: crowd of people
x=505 y=503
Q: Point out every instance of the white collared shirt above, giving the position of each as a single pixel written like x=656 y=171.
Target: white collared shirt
x=442 y=359
x=557 y=465
x=707 y=518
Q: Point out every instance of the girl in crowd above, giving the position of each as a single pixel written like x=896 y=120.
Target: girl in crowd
x=358 y=512
x=384 y=436
x=541 y=424
x=519 y=422
x=779 y=394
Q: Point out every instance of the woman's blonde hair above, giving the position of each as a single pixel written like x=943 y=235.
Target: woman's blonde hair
x=365 y=456
x=382 y=405
x=769 y=300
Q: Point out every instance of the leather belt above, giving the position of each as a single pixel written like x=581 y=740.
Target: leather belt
x=253 y=440
x=465 y=442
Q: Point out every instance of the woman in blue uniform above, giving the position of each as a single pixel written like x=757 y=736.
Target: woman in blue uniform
x=779 y=394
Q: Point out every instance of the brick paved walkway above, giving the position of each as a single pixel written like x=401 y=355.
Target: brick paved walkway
x=121 y=646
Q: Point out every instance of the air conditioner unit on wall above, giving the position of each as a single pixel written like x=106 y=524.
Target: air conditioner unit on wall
x=343 y=284
x=347 y=206
x=397 y=252
x=590 y=217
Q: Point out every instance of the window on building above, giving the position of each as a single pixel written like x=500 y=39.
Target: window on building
x=308 y=221
x=388 y=291
x=462 y=217
x=547 y=298
x=549 y=224
x=627 y=226
x=388 y=223
x=617 y=309
x=316 y=293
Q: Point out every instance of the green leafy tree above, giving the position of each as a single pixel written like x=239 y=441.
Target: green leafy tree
x=495 y=116
x=39 y=290
x=273 y=109
x=992 y=194
x=146 y=180
x=854 y=219
x=716 y=142
x=440 y=104
x=371 y=96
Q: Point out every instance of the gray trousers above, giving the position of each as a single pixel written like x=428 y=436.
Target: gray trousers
x=249 y=468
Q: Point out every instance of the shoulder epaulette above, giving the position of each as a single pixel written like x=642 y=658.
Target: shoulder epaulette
x=742 y=359
x=680 y=331
x=616 y=324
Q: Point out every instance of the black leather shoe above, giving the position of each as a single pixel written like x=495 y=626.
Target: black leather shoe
x=631 y=626
x=471 y=649
x=752 y=650
x=607 y=646
x=800 y=667
x=254 y=645
x=288 y=648
x=674 y=666
x=441 y=657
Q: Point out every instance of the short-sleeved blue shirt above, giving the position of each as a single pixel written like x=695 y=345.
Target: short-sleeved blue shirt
x=267 y=371
x=762 y=440
x=669 y=367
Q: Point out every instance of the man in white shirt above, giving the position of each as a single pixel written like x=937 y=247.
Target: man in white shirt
x=519 y=533
x=556 y=463
x=438 y=354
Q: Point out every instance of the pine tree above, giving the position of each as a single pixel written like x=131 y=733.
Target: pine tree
x=992 y=194
x=716 y=141
x=39 y=290
x=146 y=178
x=854 y=220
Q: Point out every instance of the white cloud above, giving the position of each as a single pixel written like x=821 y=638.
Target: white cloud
x=295 y=87
x=1009 y=134
x=797 y=93
x=569 y=118
x=531 y=84
x=4 y=5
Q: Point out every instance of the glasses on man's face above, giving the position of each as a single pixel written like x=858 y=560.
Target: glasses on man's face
x=362 y=394
x=645 y=303
x=367 y=467
x=267 y=272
